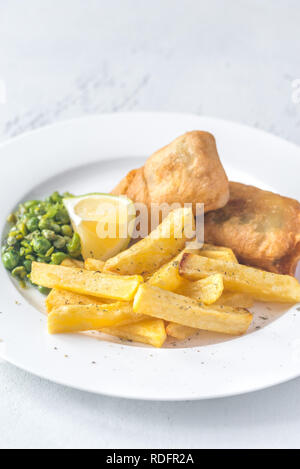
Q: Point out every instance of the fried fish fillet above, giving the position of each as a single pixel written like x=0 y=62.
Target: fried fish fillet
x=262 y=228
x=188 y=170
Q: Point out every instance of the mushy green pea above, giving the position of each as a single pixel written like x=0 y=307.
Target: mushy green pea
x=40 y=231
x=74 y=246
x=32 y=224
x=40 y=245
x=10 y=259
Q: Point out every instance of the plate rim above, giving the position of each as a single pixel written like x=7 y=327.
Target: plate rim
x=65 y=122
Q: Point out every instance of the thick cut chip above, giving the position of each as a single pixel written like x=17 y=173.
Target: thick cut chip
x=82 y=318
x=222 y=254
x=97 y=284
x=235 y=300
x=167 y=276
x=180 y=332
x=68 y=262
x=158 y=248
x=94 y=264
x=207 y=290
x=57 y=298
x=261 y=285
x=148 y=331
x=155 y=302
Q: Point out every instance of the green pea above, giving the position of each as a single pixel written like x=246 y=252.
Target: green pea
x=41 y=260
x=49 y=234
x=67 y=195
x=51 y=211
x=48 y=253
x=55 y=197
x=22 y=228
x=11 y=218
x=58 y=257
x=43 y=290
x=27 y=264
x=25 y=242
x=38 y=210
x=30 y=257
x=55 y=227
x=32 y=235
x=62 y=216
x=59 y=242
x=40 y=245
x=26 y=248
x=74 y=246
x=30 y=203
x=49 y=224
x=12 y=240
x=13 y=232
x=10 y=259
x=19 y=272
x=22 y=283
x=38 y=228
x=32 y=224
x=66 y=230
x=45 y=224
x=68 y=239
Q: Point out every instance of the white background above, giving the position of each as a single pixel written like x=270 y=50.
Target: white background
x=235 y=59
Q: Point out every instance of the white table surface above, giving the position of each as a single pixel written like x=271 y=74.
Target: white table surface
x=226 y=58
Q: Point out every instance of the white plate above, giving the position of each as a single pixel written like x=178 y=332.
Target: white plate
x=91 y=155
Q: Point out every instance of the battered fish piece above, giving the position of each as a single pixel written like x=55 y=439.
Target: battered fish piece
x=262 y=228
x=188 y=170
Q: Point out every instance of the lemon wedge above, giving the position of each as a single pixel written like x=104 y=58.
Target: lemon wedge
x=104 y=223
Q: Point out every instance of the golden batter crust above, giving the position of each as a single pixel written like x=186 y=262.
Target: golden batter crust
x=188 y=170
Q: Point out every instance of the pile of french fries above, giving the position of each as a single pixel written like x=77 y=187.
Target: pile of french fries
x=158 y=288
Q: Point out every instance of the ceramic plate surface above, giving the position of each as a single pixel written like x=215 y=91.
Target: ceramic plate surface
x=91 y=155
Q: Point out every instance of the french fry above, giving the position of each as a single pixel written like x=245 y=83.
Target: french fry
x=81 y=318
x=57 y=298
x=162 y=244
x=235 y=300
x=207 y=290
x=222 y=254
x=155 y=302
x=167 y=276
x=148 y=331
x=180 y=332
x=68 y=262
x=261 y=285
x=79 y=264
x=97 y=265
x=94 y=264
x=85 y=282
